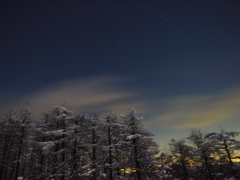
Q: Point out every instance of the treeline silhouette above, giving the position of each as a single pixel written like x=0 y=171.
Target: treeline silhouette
x=64 y=144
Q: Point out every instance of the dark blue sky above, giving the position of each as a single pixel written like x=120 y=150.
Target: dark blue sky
x=164 y=57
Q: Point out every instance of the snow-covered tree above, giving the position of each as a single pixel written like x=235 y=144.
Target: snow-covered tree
x=54 y=143
x=14 y=142
x=203 y=150
x=182 y=154
x=104 y=147
x=25 y=119
x=225 y=144
x=141 y=147
x=8 y=144
x=78 y=139
x=92 y=169
x=109 y=139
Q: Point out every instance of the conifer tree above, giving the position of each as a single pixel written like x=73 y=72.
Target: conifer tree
x=203 y=150
x=8 y=145
x=226 y=145
x=183 y=154
x=140 y=145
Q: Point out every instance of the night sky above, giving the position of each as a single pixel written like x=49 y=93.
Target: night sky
x=175 y=61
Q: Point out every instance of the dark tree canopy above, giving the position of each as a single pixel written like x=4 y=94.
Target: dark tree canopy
x=64 y=144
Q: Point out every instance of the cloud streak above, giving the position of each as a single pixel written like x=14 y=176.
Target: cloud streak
x=195 y=111
x=163 y=115
x=92 y=94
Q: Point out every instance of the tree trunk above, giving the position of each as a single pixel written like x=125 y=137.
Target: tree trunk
x=209 y=170
x=110 y=154
x=137 y=163
x=94 y=153
x=19 y=166
x=229 y=157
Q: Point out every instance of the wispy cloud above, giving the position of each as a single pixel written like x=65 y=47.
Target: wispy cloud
x=195 y=111
x=100 y=93
x=163 y=115
x=104 y=93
